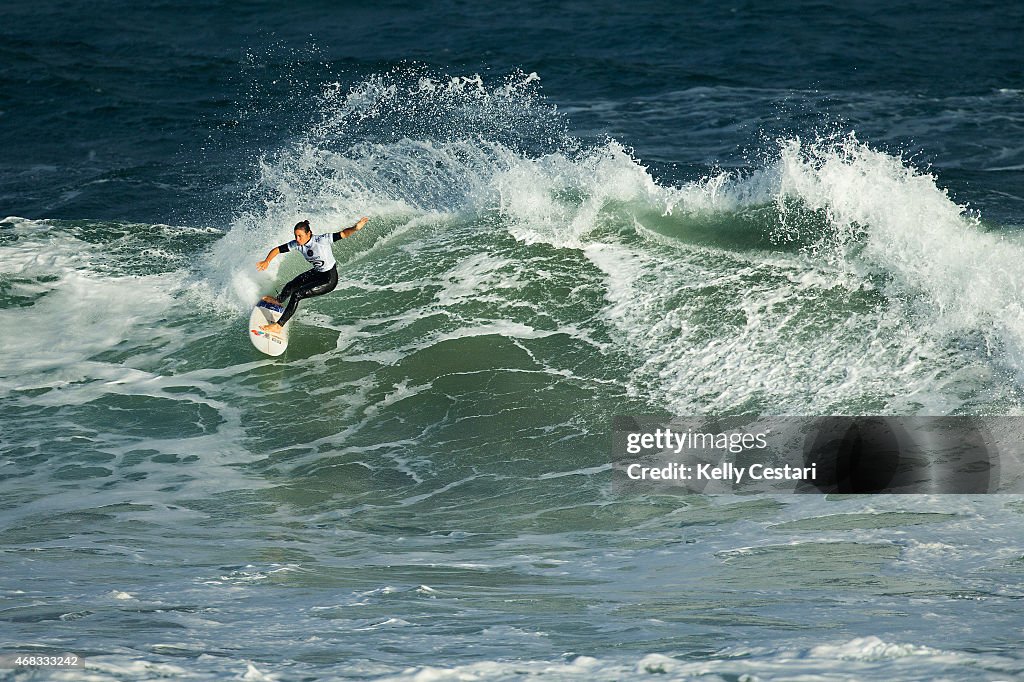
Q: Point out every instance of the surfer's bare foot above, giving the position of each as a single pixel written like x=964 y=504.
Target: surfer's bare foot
x=271 y=299
x=274 y=328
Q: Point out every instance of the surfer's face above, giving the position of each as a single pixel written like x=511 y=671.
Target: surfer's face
x=301 y=236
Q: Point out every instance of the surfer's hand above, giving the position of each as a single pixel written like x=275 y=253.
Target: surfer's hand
x=362 y=221
x=262 y=265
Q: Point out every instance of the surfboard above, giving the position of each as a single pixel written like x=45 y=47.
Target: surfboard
x=267 y=342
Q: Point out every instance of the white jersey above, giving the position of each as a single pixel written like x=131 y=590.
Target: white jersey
x=317 y=251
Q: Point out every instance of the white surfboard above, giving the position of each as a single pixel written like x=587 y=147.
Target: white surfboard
x=267 y=342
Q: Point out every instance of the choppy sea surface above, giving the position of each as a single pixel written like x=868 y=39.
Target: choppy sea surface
x=578 y=210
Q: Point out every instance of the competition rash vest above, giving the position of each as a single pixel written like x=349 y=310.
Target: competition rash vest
x=317 y=250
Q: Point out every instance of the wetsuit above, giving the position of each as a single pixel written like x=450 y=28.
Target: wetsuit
x=320 y=280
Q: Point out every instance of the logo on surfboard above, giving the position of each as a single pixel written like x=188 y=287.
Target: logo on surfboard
x=273 y=337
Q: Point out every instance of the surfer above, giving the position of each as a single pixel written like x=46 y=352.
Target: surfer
x=320 y=280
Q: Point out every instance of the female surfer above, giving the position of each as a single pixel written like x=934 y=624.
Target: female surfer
x=319 y=280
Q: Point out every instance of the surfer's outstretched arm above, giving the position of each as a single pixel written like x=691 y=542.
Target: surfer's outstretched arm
x=274 y=253
x=348 y=231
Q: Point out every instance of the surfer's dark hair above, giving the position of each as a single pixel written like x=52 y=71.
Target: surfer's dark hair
x=304 y=224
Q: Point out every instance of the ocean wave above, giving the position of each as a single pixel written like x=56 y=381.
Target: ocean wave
x=831 y=276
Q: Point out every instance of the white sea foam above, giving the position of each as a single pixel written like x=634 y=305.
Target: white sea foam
x=867 y=656
x=778 y=327
x=75 y=312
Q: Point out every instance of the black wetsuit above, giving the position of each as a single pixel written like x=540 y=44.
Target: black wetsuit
x=320 y=280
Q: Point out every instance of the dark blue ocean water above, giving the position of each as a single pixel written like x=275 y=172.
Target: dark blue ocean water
x=578 y=210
